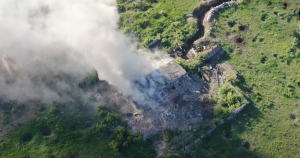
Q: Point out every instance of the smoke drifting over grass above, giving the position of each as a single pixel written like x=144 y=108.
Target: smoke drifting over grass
x=48 y=46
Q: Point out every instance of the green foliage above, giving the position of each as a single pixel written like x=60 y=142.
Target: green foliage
x=228 y=101
x=150 y=18
x=92 y=78
x=111 y=117
x=216 y=120
x=68 y=135
x=269 y=61
x=171 y=155
x=191 y=66
x=114 y=146
x=53 y=109
x=92 y=98
x=101 y=127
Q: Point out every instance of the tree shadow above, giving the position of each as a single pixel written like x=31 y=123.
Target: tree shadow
x=297 y=35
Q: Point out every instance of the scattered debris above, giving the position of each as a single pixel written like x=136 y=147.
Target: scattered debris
x=204 y=75
x=227 y=67
x=189 y=15
x=153 y=42
x=216 y=50
x=171 y=100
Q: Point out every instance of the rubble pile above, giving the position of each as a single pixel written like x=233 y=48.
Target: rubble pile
x=171 y=102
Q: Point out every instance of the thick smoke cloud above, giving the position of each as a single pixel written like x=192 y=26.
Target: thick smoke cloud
x=43 y=41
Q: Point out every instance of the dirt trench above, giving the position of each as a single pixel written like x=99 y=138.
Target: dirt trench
x=200 y=14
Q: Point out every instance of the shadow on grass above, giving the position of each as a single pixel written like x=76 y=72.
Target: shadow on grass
x=297 y=35
x=225 y=56
x=225 y=141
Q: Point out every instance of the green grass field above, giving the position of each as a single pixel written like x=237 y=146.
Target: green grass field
x=268 y=59
x=164 y=20
x=75 y=134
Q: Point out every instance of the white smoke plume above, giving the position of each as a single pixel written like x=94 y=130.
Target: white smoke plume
x=42 y=40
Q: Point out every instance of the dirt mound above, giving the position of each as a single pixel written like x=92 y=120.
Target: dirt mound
x=285 y=5
x=239 y=40
x=243 y=28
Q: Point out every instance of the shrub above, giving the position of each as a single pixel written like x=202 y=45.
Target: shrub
x=92 y=78
x=191 y=66
x=53 y=109
x=114 y=146
x=215 y=121
x=102 y=107
x=92 y=98
x=138 y=138
x=171 y=155
x=101 y=127
x=101 y=113
x=220 y=112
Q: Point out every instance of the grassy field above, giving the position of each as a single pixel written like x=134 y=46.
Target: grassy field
x=164 y=20
x=261 y=39
x=75 y=133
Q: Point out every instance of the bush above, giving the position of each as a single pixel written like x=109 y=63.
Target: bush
x=229 y=100
x=92 y=78
x=102 y=113
x=171 y=155
x=111 y=117
x=53 y=109
x=101 y=107
x=114 y=146
x=215 y=121
x=220 y=112
x=101 y=127
x=191 y=66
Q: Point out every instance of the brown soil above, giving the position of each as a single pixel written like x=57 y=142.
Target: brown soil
x=244 y=28
x=161 y=148
x=190 y=19
x=190 y=55
x=285 y=5
x=239 y=40
x=200 y=13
